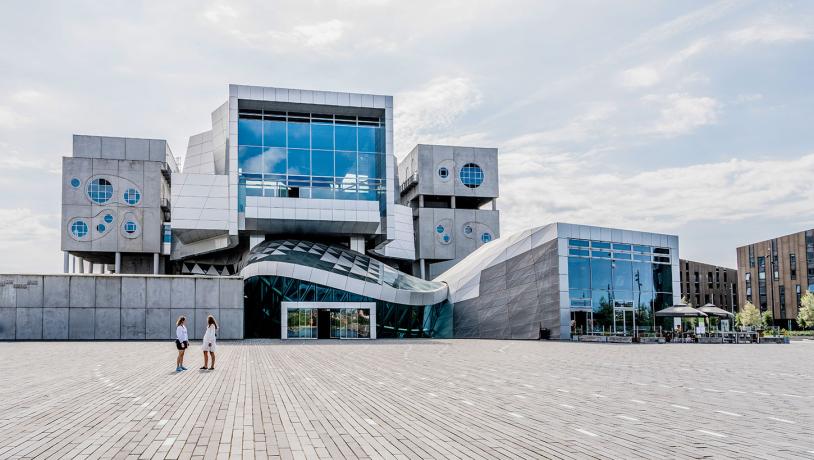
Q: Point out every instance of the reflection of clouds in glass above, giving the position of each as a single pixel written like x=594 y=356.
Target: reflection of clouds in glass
x=274 y=155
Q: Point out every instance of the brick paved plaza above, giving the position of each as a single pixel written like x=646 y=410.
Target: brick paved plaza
x=407 y=399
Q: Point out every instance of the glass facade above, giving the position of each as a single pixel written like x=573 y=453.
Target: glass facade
x=342 y=323
x=472 y=175
x=100 y=191
x=265 y=294
x=618 y=287
x=310 y=155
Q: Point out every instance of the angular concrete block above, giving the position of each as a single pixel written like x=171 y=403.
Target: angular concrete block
x=29 y=324
x=8 y=295
x=134 y=323
x=182 y=294
x=134 y=292
x=158 y=292
x=231 y=324
x=8 y=319
x=207 y=292
x=87 y=146
x=80 y=322
x=231 y=293
x=108 y=292
x=189 y=313
x=31 y=296
x=107 y=323
x=55 y=323
x=158 y=150
x=113 y=148
x=137 y=149
x=83 y=292
x=160 y=325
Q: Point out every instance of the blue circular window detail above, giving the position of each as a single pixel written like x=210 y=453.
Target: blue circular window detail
x=446 y=238
x=101 y=228
x=486 y=237
x=100 y=190
x=132 y=196
x=471 y=175
x=130 y=227
x=443 y=172
x=108 y=218
x=79 y=229
x=467 y=230
x=75 y=183
x=439 y=229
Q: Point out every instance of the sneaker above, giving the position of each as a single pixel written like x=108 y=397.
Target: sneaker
x=178 y=369
x=184 y=368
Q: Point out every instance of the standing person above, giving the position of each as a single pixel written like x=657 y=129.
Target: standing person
x=210 y=341
x=181 y=342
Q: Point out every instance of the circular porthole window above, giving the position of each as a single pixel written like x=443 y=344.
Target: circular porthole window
x=439 y=229
x=130 y=227
x=446 y=238
x=471 y=175
x=75 y=183
x=108 y=218
x=486 y=237
x=443 y=172
x=132 y=196
x=467 y=229
x=101 y=228
x=100 y=190
x=79 y=229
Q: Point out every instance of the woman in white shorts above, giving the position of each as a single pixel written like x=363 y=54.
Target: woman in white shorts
x=210 y=341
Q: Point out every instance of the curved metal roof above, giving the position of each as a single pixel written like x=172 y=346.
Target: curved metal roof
x=339 y=267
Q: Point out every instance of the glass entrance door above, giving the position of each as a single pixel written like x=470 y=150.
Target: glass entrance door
x=624 y=321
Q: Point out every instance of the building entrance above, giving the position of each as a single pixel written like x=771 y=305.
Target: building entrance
x=328 y=320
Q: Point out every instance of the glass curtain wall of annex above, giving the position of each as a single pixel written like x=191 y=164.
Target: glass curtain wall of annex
x=264 y=295
x=310 y=155
x=345 y=323
x=616 y=288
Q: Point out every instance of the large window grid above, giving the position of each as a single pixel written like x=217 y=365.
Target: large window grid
x=100 y=190
x=309 y=155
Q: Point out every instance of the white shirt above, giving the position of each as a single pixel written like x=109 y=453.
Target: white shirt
x=210 y=335
x=181 y=334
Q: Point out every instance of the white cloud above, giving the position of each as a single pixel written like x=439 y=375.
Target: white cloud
x=539 y=189
x=650 y=74
x=219 y=12
x=22 y=224
x=11 y=119
x=429 y=113
x=767 y=33
x=320 y=35
x=682 y=113
x=641 y=76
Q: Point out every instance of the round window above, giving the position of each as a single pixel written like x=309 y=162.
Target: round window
x=486 y=237
x=472 y=175
x=130 y=227
x=446 y=238
x=108 y=218
x=100 y=228
x=439 y=229
x=132 y=196
x=75 y=183
x=443 y=172
x=100 y=190
x=79 y=229
x=467 y=229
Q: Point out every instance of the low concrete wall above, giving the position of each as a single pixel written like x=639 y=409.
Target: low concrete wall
x=117 y=307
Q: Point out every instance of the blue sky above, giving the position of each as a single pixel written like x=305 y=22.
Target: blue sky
x=691 y=117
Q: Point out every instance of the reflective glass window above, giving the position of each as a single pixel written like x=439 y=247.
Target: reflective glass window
x=130 y=227
x=250 y=159
x=131 y=196
x=622 y=275
x=641 y=257
x=601 y=274
x=471 y=175
x=100 y=190
x=486 y=237
x=369 y=165
x=274 y=160
x=580 y=243
x=345 y=137
x=369 y=139
x=600 y=244
x=249 y=131
x=639 y=248
x=345 y=189
x=345 y=164
x=579 y=273
x=601 y=254
x=299 y=135
x=642 y=276
x=578 y=252
x=108 y=218
x=602 y=304
x=322 y=163
x=79 y=229
x=621 y=247
x=75 y=183
x=299 y=162
x=663 y=277
x=322 y=189
x=622 y=255
x=101 y=228
x=273 y=133
x=322 y=137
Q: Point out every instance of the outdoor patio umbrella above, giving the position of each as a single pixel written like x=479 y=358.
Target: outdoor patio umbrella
x=712 y=310
x=681 y=311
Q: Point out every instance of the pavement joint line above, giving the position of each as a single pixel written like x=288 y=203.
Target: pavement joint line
x=711 y=433
x=782 y=420
x=370 y=421
x=162 y=422
x=586 y=432
x=729 y=413
x=168 y=441
x=152 y=414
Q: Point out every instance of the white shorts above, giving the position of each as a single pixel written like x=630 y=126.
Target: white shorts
x=207 y=347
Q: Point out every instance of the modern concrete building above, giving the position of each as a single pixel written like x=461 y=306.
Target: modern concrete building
x=452 y=192
x=569 y=279
x=704 y=283
x=774 y=274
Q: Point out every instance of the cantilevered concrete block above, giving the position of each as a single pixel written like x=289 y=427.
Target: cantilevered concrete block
x=29 y=324
x=55 y=323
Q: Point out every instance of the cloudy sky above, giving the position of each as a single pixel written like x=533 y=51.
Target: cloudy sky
x=691 y=117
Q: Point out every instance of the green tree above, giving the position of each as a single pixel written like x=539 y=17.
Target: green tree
x=749 y=316
x=805 y=314
x=767 y=319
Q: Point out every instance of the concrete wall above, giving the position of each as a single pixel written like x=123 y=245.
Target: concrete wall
x=517 y=297
x=111 y=307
